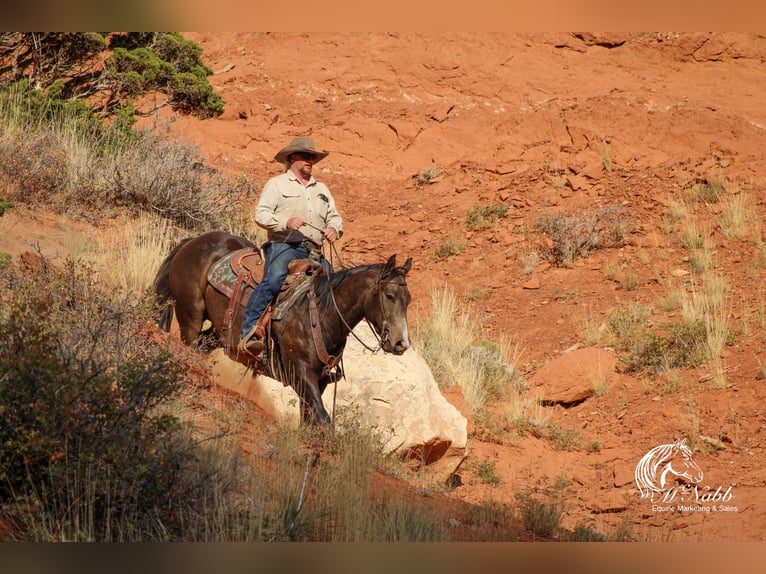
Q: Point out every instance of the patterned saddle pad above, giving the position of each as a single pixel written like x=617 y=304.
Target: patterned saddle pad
x=224 y=272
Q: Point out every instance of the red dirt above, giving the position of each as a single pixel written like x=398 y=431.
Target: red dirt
x=499 y=115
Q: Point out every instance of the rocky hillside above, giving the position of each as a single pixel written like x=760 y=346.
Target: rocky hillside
x=425 y=129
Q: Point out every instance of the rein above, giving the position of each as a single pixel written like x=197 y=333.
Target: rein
x=333 y=251
x=380 y=340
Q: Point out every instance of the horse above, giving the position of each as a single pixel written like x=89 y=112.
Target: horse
x=664 y=460
x=296 y=354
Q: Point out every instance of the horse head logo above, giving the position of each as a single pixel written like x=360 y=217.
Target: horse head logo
x=662 y=465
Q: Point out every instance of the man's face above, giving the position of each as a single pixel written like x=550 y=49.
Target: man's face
x=302 y=163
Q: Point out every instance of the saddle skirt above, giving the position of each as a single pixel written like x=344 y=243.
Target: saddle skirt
x=224 y=273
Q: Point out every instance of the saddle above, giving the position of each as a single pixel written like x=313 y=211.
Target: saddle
x=244 y=266
x=238 y=273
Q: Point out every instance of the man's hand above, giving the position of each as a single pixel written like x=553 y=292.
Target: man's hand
x=330 y=234
x=294 y=223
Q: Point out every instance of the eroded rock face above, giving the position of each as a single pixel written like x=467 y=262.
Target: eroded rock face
x=396 y=394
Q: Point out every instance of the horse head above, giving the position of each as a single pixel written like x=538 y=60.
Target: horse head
x=654 y=468
x=682 y=464
x=387 y=309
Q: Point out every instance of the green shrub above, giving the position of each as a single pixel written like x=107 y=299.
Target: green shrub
x=491 y=522
x=139 y=62
x=86 y=442
x=5 y=206
x=583 y=533
x=678 y=345
x=487 y=473
x=540 y=516
x=165 y=62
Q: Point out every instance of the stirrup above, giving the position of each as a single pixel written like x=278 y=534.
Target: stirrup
x=252 y=346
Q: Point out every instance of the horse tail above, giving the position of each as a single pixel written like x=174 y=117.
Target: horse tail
x=166 y=318
x=162 y=287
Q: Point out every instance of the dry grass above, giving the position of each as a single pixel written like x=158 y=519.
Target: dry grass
x=606 y=156
x=672 y=215
x=591 y=327
x=451 y=342
x=70 y=166
x=570 y=237
x=130 y=257
x=735 y=219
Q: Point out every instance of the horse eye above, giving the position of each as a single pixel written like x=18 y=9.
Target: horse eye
x=389 y=297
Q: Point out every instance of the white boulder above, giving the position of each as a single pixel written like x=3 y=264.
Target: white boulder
x=396 y=394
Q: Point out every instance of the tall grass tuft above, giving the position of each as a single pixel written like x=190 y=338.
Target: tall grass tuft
x=451 y=342
x=735 y=217
x=129 y=259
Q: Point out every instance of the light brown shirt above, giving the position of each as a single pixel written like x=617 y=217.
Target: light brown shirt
x=284 y=196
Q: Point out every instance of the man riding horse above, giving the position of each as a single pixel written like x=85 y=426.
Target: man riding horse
x=298 y=213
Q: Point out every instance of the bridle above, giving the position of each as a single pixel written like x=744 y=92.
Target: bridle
x=382 y=338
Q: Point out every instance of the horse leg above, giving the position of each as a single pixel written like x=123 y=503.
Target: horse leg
x=312 y=408
x=190 y=321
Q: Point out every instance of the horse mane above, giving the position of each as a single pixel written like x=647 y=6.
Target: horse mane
x=324 y=284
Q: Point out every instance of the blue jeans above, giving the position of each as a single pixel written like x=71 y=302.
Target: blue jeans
x=278 y=255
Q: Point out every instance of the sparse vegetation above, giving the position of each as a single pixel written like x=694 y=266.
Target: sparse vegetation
x=606 y=156
x=672 y=215
x=452 y=344
x=542 y=509
x=706 y=190
x=736 y=215
x=449 y=247
x=590 y=327
x=644 y=350
x=486 y=472
x=485 y=216
x=573 y=236
x=425 y=176
x=57 y=154
x=583 y=533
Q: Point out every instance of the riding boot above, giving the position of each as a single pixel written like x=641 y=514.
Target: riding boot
x=253 y=342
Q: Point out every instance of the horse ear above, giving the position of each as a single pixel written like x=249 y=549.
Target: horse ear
x=389 y=266
x=407 y=265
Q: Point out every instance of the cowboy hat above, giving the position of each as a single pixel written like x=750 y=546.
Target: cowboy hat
x=298 y=145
